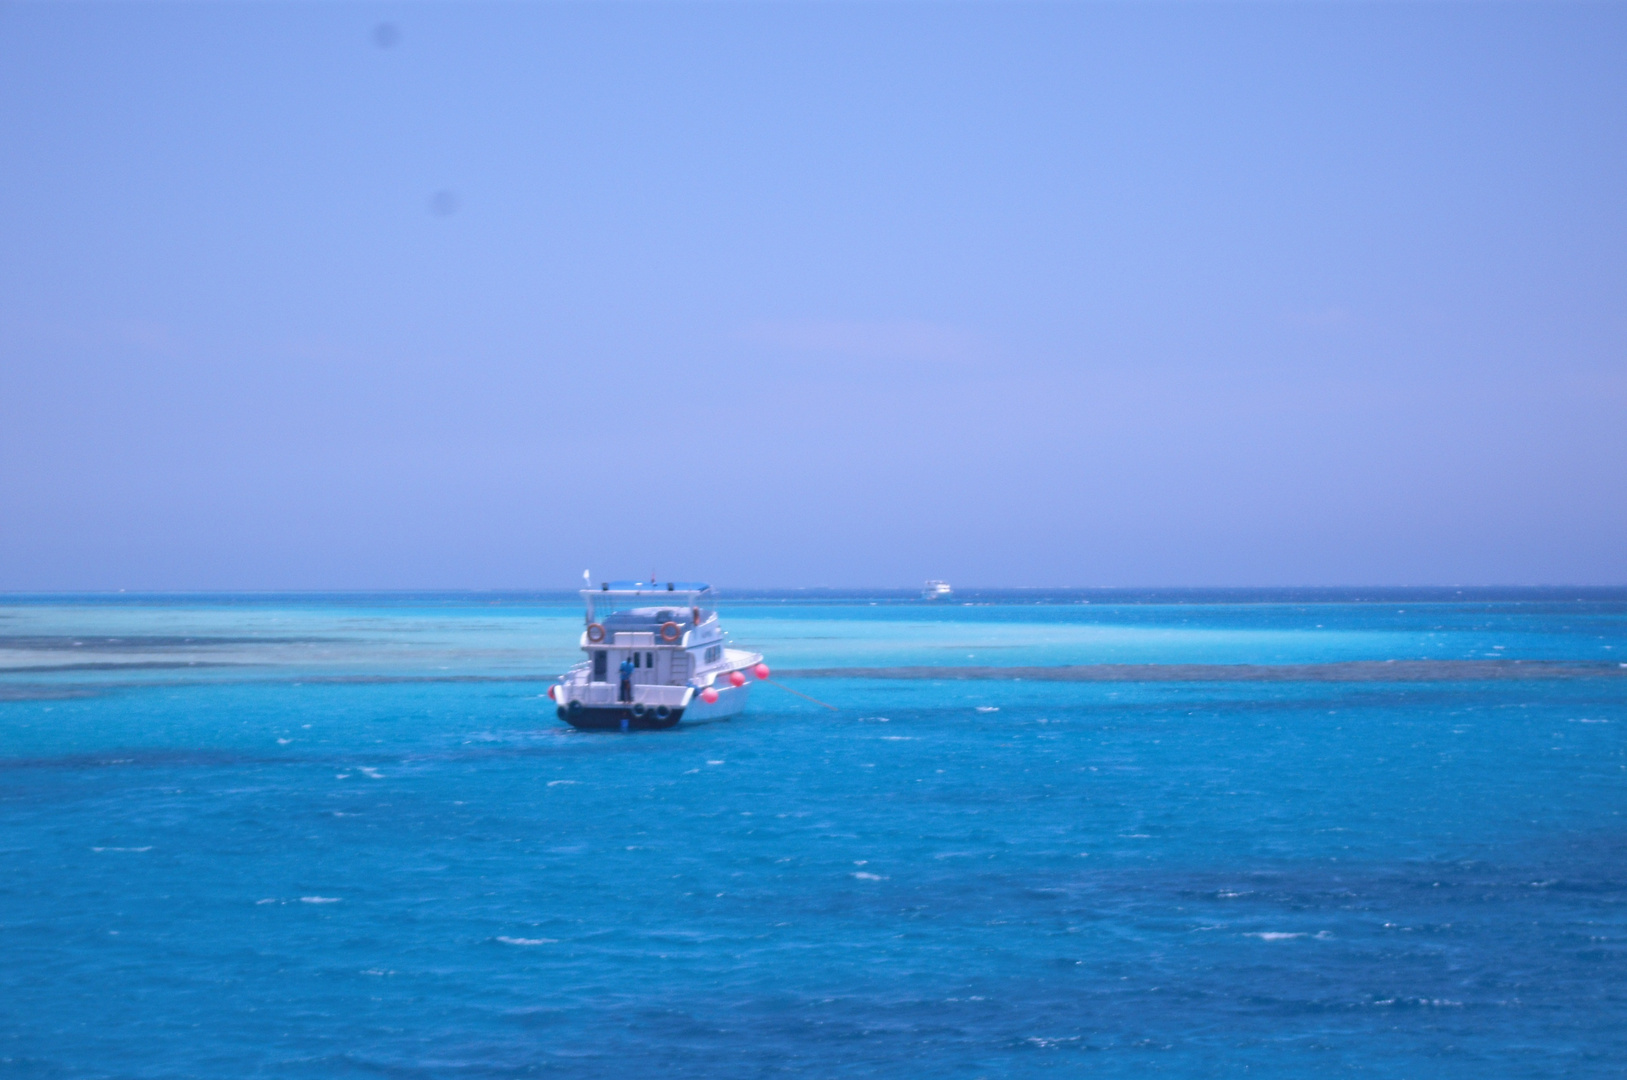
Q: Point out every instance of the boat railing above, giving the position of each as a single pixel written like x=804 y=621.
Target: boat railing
x=643 y=693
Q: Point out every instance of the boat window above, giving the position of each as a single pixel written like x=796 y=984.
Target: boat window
x=600 y=665
x=635 y=659
x=649 y=660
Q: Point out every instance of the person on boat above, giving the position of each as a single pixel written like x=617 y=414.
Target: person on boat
x=627 y=678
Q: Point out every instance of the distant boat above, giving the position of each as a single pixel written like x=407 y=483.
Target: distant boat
x=937 y=590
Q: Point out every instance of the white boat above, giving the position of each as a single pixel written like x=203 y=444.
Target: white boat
x=655 y=655
x=937 y=590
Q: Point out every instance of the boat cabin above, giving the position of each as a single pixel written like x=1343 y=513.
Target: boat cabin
x=669 y=631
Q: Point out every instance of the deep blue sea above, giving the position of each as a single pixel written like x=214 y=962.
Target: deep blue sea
x=345 y=836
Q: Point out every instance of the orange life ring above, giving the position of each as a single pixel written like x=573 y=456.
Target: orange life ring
x=595 y=633
x=670 y=631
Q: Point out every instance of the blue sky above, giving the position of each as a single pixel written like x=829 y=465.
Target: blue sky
x=787 y=294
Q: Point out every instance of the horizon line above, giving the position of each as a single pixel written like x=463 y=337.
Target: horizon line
x=516 y=590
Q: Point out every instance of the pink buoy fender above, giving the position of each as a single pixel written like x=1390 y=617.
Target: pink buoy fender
x=737 y=679
x=709 y=696
x=551 y=696
x=595 y=633
x=670 y=631
x=761 y=671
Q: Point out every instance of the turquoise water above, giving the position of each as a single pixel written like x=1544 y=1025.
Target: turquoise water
x=345 y=836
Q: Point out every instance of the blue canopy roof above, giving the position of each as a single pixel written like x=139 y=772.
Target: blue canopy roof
x=652 y=586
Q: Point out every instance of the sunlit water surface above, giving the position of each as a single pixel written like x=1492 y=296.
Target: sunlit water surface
x=346 y=836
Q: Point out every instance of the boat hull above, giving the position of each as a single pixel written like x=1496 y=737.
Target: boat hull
x=730 y=700
x=618 y=718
